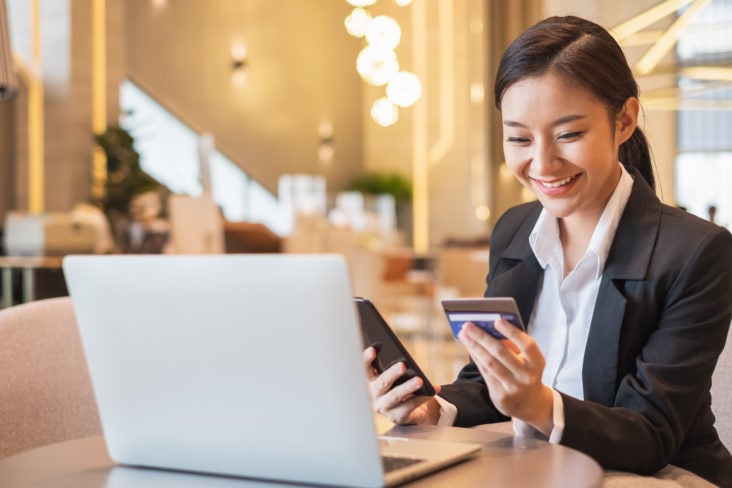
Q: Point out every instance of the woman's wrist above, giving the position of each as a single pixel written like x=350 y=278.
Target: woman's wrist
x=431 y=412
x=544 y=419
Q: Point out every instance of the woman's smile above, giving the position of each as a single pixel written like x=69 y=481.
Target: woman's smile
x=556 y=187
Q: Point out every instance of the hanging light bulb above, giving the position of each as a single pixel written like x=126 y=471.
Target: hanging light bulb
x=357 y=22
x=383 y=32
x=404 y=89
x=376 y=65
x=482 y=212
x=384 y=112
x=361 y=3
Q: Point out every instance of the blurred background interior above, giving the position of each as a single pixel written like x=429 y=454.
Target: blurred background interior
x=360 y=127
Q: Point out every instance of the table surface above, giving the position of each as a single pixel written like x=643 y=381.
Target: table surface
x=31 y=261
x=503 y=461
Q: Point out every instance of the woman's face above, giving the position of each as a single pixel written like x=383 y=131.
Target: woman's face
x=559 y=142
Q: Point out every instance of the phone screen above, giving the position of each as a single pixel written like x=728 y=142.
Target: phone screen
x=389 y=349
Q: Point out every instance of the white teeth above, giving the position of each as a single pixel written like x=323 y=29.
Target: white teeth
x=557 y=184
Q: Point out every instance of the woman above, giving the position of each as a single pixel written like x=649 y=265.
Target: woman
x=628 y=301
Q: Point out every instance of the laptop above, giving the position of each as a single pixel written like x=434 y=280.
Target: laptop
x=238 y=365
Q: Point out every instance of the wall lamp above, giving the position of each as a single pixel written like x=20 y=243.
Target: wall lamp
x=239 y=65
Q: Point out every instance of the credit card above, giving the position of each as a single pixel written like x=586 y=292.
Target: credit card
x=484 y=320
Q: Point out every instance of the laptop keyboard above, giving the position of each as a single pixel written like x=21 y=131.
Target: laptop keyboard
x=391 y=462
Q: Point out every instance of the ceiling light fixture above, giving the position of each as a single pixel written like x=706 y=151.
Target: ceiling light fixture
x=377 y=62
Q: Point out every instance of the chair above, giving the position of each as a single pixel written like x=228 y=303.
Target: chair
x=45 y=391
x=196 y=225
x=464 y=268
x=722 y=395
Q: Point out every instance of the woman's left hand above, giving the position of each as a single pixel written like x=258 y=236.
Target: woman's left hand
x=512 y=369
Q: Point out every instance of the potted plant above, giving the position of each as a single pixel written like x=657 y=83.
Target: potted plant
x=375 y=183
x=391 y=183
x=131 y=196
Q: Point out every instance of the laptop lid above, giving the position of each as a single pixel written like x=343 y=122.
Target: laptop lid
x=246 y=365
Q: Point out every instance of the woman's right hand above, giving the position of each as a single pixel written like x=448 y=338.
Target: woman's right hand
x=399 y=404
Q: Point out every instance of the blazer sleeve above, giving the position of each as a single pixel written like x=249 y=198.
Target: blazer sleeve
x=660 y=404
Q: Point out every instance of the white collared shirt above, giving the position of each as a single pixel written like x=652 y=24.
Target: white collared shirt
x=561 y=317
x=560 y=320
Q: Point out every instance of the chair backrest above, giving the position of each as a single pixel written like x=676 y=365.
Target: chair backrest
x=464 y=268
x=196 y=225
x=722 y=394
x=45 y=391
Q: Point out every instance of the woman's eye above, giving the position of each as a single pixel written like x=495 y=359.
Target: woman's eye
x=570 y=135
x=519 y=140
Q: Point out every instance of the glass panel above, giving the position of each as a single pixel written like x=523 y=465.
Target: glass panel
x=168 y=149
x=265 y=208
x=169 y=152
x=704 y=165
x=705 y=130
x=704 y=179
x=229 y=186
x=707 y=37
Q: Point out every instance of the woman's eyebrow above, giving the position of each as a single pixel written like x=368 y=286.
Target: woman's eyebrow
x=568 y=118
x=561 y=120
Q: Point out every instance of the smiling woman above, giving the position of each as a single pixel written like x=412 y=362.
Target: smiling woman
x=625 y=321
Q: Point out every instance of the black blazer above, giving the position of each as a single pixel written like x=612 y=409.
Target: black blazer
x=660 y=322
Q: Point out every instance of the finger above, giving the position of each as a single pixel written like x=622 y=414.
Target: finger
x=521 y=340
x=496 y=347
x=385 y=380
x=487 y=363
x=368 y=355
x=513 y=333
x=404 y=412
x=399 y=394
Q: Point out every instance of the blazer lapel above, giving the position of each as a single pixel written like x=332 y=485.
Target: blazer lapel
x=628 y=259
x=518 y=273
x=521 y=282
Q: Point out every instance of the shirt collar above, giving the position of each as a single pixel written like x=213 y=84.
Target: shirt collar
x=544 y=238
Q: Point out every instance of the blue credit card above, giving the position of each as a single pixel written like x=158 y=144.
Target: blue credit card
x=484 y=320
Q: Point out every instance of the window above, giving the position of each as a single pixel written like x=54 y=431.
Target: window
x=704 y=164
x=169 y=151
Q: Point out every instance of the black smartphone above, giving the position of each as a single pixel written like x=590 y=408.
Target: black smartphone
x=483 y=312
x=389 y=349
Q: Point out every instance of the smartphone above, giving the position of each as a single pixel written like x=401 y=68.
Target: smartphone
x=389 y=349
x=483 y=312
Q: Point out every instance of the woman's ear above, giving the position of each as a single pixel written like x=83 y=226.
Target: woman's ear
x=627 y=120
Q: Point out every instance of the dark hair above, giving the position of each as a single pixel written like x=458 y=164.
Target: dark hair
x=584 y=53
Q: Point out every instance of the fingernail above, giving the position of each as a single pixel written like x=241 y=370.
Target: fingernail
x=500 y=324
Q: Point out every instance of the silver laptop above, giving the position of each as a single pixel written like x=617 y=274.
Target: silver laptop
x=243 y=365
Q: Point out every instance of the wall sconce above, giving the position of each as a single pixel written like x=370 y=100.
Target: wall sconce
x=326 y=149
x=239 y=67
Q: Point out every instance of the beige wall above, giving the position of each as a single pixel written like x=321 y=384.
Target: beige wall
x=444 y=43
x=301 y=71
x=65 y=31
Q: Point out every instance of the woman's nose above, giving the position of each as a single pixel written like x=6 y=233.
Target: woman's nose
x=545 y=157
